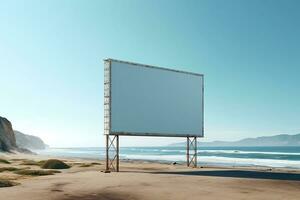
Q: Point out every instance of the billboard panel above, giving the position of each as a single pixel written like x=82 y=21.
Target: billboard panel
x=144 y=100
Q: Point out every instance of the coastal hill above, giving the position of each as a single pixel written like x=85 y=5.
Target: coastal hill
x=11 y=140
x=7 y=136
x=277 y=140
x=29 y=141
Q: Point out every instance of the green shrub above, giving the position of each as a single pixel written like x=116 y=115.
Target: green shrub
x=55 y=164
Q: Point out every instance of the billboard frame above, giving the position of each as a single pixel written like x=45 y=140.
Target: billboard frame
x=112 y=145
x=108 y=62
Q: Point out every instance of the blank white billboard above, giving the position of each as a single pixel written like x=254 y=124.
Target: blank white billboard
x=144 y=100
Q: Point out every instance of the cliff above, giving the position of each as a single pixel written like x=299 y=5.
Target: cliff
x=7 y=136
x=29 y=141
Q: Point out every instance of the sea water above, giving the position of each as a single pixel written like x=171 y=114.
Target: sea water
x=221 y=156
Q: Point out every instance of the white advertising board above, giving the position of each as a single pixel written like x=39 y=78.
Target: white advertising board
x=143 y=100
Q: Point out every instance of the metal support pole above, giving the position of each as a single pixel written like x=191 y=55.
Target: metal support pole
x=117 y=152
x=187 y=151
x=112 y=153
x=195 y=164
x=107 y=153
x=191 y=147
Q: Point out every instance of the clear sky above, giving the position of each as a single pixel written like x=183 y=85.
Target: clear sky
x=51 y=68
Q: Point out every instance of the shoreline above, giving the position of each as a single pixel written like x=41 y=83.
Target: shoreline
x=159 y=162
x=218 y=156
x=181 y=163
x=147 y=180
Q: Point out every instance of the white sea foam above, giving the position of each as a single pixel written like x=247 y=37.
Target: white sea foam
x=251 y=161
x=220 y=160
x=218 y=151
x=246 y=152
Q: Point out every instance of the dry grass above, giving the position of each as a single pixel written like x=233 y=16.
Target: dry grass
x=32 y=162
x=2 y=169
x=31 y=172
x=86 y=165
x=18 y=159
x=96 y=163
x=4 y=161
x=7 y=183
x=89 y=164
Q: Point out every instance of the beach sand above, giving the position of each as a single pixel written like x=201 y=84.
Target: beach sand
x=148 y=180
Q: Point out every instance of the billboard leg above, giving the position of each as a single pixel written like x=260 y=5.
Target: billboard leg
x=117 y=164
x=112 y=153
x=191 y=152
x=187 y=151
x=195 y=152
x=107 y=153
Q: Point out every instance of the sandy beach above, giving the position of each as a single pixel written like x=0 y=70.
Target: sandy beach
x=144 y=180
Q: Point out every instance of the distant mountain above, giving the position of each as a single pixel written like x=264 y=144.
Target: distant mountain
x=29 y=141
x=277 y=140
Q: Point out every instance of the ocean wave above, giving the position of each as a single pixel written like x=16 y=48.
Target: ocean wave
x=247 y=152
x=220 y=151
x=219 y=160
x=251 y=161
x=173 y=150
x=209 y=156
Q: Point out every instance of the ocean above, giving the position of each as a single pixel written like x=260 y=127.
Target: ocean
x=288 y=157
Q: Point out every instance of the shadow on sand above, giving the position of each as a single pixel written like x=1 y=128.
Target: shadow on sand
x=239 y=174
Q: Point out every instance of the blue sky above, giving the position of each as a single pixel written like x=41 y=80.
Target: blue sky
x=51 y=69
